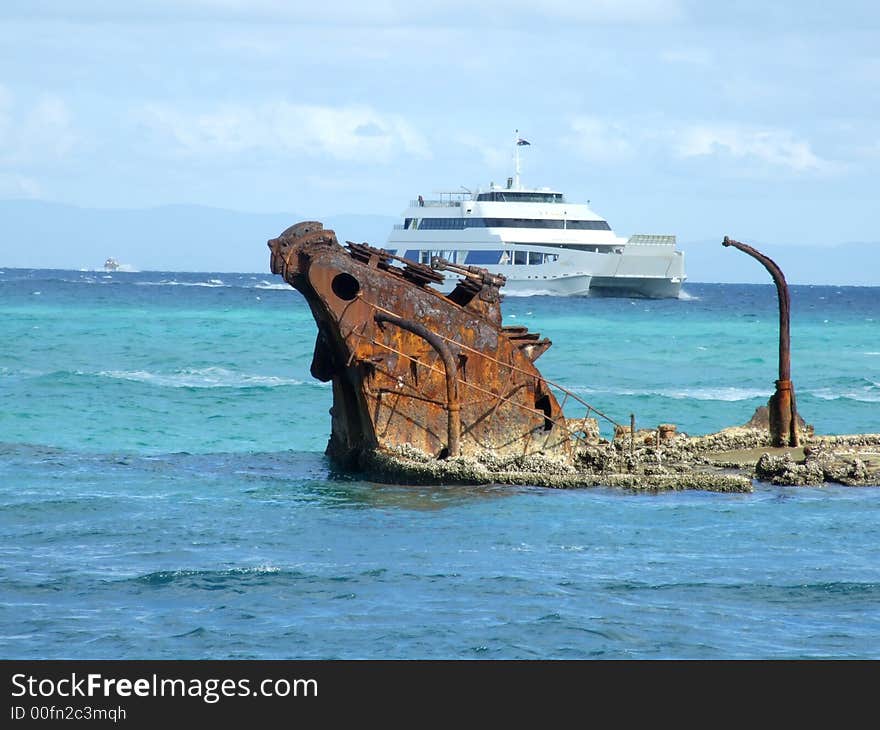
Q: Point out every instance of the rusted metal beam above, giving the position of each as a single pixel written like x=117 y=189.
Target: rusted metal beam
x=453 y=407
x=782 y=405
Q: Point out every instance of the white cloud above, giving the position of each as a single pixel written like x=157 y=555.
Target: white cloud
x=13 y=185
x=493 y=156
x=34 y=132
x=460 y=13
x=773 y=147
x=763 y=148
x=602 y=141
x=869 y=151
x=688 y=56
x=353 y=133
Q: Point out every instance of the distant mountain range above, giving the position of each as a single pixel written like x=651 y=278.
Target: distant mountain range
x=36 y=234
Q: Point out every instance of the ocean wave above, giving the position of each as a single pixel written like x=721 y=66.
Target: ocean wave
x=831 y=591
x=212 y=377
x=219 y=284
x=211 y=578
x=869 y=394
x=721 y=393
x=210 y=283
x=529 y=293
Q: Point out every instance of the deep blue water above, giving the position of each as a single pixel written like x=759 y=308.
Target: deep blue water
x=163 y=491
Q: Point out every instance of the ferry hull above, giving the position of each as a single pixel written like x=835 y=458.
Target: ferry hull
x=585 y=286
x=619 y=286
x=560 y=286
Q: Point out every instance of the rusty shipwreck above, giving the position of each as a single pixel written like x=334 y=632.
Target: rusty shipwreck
x=411 y=366
x=433 y=388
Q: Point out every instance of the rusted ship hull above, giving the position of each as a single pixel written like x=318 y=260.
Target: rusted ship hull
x=411 y=366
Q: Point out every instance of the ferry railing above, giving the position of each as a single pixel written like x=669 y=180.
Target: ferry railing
x=435 y=203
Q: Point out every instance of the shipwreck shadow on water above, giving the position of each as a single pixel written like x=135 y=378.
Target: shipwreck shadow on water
x=310 y=476
x=282 y=477
x=357 y=491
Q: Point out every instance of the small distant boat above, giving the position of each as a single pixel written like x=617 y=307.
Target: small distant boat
x=111 y=264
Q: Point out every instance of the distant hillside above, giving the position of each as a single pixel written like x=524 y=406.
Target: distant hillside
x=36 y=234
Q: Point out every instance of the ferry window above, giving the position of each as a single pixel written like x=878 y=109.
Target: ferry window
x=481 y=258
x=589 y=225
x=406 y=222
x=441 y=224
x=509 y=196
x=520 y=257
x=535 y=258
x=526 y=223
x=458 y=224
x=551 y=258
x=412 y=255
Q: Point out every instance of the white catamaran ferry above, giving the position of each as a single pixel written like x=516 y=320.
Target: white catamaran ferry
x=540 y=241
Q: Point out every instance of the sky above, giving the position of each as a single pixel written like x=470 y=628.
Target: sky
x=703 y=119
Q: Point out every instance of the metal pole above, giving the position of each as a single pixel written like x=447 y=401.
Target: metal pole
x=783 y=409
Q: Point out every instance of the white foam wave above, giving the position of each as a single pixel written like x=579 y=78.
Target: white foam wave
x=211 y=283
x=529 y=293
x=216 y=283
x=868 y=395
x=728 y=394
x=686 y=296
x=200 y=378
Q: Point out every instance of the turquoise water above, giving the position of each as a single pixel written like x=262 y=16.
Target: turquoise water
x=163 y=492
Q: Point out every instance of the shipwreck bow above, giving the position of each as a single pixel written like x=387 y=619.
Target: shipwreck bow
x=412 y=366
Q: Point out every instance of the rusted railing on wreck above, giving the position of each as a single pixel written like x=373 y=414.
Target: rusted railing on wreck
x=579 y=434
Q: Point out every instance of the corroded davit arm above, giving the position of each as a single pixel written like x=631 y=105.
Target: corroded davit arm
x=782 y=405
x=453 y=408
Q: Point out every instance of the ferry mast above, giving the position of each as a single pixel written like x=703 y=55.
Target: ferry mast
x=517 y=143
